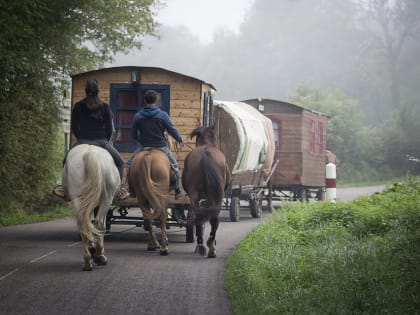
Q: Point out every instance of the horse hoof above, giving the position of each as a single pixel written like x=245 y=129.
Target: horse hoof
x=164 y=253
x=92 y=250
x=87 y=268
x=209 y=241
x=201 y=250
x=211 y=255
x=100 y=260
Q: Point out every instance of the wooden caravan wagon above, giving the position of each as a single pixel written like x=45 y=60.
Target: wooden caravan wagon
x=187 y=100
x=300 y=142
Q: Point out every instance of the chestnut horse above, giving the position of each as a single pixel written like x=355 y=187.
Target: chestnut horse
x=205 y=178
x=149 y=178
x=91 y=180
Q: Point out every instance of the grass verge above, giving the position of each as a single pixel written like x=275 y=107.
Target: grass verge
x=20 y=217
x=360 y=257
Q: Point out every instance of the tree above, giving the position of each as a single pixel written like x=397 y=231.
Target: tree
x=401 y=143
x=391 y=24
x=42 y=42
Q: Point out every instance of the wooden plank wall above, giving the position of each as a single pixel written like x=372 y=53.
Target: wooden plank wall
x=297 y=164
x=313 y=164
x=104 y=79
x=291 y=132
x=289 y=169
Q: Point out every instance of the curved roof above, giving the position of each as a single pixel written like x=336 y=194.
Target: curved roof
x=261 y=100
x=255 y=133
x=141 y=68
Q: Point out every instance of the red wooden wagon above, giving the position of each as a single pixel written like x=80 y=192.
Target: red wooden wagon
x=300 y=142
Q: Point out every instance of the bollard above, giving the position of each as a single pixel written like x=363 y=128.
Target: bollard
x=330 y=182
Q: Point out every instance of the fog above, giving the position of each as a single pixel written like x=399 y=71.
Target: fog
x=282 y=44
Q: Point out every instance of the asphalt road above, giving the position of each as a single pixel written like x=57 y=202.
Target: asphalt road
x=40 y=270
x=347 y=194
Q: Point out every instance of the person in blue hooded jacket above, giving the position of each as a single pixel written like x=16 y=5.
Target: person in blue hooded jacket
x=149 y=126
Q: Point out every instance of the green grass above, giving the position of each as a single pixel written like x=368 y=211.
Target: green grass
x=20 y=217
x=360 y=257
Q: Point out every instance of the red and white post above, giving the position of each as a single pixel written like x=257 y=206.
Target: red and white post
x=330 y=182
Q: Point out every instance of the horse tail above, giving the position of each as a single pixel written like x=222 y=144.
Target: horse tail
x=90 y=195
x=156 y=198
x=213 y=180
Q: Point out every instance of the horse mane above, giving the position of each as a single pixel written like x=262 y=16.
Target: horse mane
x=196 y=132
x=204 y=136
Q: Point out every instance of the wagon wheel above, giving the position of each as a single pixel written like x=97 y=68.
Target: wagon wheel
x=189 y=234
x=302 y=194
x=178 y=213
x=108 y=221
x=255 y=205
x=235 y=209
x=320 y=194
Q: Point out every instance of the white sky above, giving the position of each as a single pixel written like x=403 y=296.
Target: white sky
x=203 y=17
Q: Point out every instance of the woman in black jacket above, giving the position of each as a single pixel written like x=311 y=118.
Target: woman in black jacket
x=91 y=123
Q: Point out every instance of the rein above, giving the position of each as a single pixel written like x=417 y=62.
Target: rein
x=190 y=147
x=177 y=147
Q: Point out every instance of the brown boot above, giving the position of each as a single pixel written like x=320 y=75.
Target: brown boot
x=178 y=194
x=123 y=193
x=59 y=192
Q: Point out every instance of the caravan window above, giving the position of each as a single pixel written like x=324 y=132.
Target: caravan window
x=125 y=101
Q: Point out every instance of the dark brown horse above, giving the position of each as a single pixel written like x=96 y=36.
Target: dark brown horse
x=149 y=178
x=205 y=178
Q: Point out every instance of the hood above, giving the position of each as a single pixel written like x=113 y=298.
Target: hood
x=150 y=111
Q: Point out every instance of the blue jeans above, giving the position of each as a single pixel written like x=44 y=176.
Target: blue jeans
x=165 y=150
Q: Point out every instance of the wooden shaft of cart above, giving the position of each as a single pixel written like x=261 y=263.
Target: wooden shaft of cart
x=267 y=179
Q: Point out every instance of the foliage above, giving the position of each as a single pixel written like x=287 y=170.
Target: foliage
x=42 y=42
x=391 y=24
x=71 y=35
x=22 y=217
x=401 y=143
x=360 y=257
x=28 y=124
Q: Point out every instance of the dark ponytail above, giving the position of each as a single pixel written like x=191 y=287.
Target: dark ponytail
x=92 y=90
x=92 y=100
